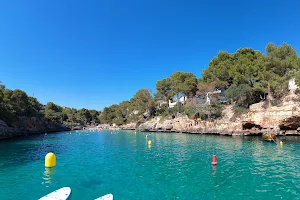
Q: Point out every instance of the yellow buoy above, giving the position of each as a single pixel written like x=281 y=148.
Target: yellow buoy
x=50 y=160
x=149 y=142
x=281 y=143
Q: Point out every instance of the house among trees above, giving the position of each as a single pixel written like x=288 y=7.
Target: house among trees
x=179 y=101
x=292 y=85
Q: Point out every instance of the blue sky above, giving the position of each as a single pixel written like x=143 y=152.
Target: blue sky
x=96 y=53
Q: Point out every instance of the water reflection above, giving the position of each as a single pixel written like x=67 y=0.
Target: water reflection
x=48 y=175
x=20 y=151
x=214 y=168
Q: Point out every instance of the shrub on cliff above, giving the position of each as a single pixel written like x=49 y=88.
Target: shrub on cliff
x=203 y=111
x=15 y=104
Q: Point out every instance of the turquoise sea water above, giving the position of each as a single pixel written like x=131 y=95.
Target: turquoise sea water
x=175 y=166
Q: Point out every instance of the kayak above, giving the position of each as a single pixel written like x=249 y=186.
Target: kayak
x=60 y=194
x=106 y=197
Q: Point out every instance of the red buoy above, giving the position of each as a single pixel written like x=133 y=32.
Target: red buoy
x=214 y=160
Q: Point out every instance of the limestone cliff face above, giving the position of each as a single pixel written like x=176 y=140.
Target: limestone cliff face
x=184 y=124
x=279 y=118
x=129 y=126
x=29 y=126
x=282 y=119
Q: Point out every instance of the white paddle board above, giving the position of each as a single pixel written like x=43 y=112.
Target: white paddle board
x=60 y=194
x=106 y=197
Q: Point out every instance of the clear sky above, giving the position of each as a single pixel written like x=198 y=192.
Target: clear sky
x=96 y=53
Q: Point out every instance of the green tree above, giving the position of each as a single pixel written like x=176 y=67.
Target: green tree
x=295 y=74
x=7 y=95
x=164 y=89
x=281 y=59
x=219 y=70
x=241 y=93
x=54 y=107
x=34 y=104
x=142 y=101
x=1 y=93
x=6 y=112
x=19 y=102
x=124 y=108
x=84 y=116
x=281 y=62
x=104 y=119
x=184 y=83
x=53 y=112
x=34 y=107
x=70 y=115
x=249 y=72
x=109 y=114
x=94 y=116
x=2 y=86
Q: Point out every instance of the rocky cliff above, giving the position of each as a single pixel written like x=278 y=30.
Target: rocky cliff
x=281 y=119
x=29 y=126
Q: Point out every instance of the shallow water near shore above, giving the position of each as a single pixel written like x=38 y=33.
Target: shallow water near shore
x=175 y=166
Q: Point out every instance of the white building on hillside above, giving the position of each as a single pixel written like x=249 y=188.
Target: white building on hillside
x=292 y=85
x=179 y=101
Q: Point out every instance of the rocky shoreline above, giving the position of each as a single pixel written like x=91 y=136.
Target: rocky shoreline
x=283 y=119
x=151 y=127
x=29 y=126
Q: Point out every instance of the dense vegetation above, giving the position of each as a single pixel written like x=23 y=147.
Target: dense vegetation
x=245 y=77
x=15 y=104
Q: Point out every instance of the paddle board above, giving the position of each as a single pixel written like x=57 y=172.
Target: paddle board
x=106 y=197
x=60 y=194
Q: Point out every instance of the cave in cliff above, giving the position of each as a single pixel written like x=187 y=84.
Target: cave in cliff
x=251 y=125
x=292 y=123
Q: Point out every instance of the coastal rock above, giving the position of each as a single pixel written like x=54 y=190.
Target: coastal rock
x=292 y=123
x=129 y=126
x=78 y=127
x=166 y=125
x=275 y=117
x=283 y=119
x=3 y=124
x=147 y=126
x=29 y=126
x=184 y=124
x=155 y=124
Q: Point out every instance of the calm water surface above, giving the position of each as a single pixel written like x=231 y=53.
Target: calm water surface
x=175 y=166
